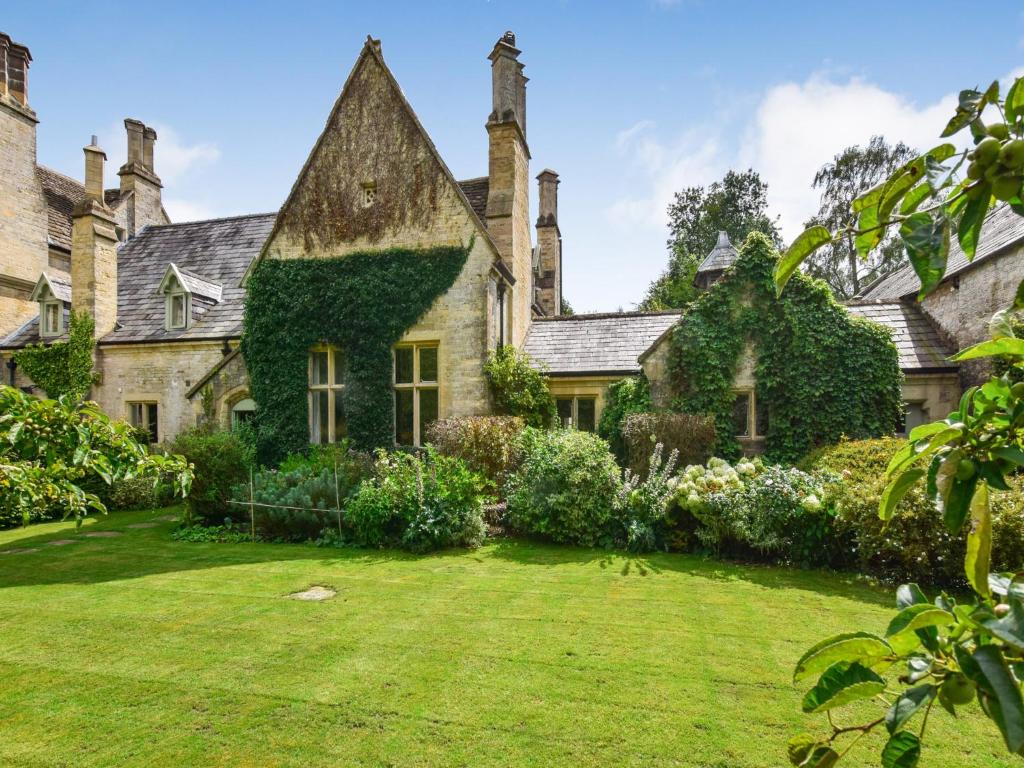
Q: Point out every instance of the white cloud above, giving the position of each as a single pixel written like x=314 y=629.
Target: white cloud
x=187 y=210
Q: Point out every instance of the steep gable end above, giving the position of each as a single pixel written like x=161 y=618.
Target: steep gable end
x=373 y=178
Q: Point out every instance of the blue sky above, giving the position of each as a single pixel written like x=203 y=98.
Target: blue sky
x=628 y=101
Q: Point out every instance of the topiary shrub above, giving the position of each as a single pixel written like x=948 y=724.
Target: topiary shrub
x=565 y=489
x=625 y=397
x=418 y=501
x=490 y=445
x=518 y=388
x=692 y=437
x=915 y=545
x=222 y=461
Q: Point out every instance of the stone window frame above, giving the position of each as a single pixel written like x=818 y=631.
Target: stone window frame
x=144 y=414
x=47 y=304
x=754 y=431
x=235 y=409
x=369 y=190
x=174 y=291
x=574 y=417
x=417 y=385
x=332 y=389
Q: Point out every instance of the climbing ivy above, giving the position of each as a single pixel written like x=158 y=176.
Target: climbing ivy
x=362 y=303
x=821 y=372
x=63 y=368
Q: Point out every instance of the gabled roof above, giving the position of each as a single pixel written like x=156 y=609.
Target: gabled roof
x=599 y=345
x=371 y=50
x=59 y=287
x=61 y=193
x=722 y=256
x=190 y=282
x=1002 y=229
x=920 y=348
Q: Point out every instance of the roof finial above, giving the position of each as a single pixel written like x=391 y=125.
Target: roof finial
x=509 y=37
x=723 y=238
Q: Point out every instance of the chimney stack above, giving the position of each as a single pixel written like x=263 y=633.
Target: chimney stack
x=549 y=240
x=139 y=179
x=14 y=62
x=148 y=140
x=94 y=249
x=508 y=169
x=94 y=158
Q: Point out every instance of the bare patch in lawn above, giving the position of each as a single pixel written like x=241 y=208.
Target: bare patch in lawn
x=102 y=534
x=19 y=551
x=59 y=542
x=143 y=525
x=316 y=593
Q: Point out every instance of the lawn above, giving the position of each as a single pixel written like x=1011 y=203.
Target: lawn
x=137 y=650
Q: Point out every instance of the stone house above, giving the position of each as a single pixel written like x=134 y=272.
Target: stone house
x=168 y=299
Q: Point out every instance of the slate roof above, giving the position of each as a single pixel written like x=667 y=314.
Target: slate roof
x=605 y=344
x=920 y=347
x=722 y=256
x=1002 y=228
x=197 y=285
x=475 y=191
x=61 y=193
x=60 y=286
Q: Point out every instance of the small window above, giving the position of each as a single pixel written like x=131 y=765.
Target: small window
x=417 y=394
x=369 y=194
x=243 y=411
x=750 y=417
x=327 y=371
x=914 y=415
x=52 y=314
x=144 y=416
x=741 y=414
x=578 y=412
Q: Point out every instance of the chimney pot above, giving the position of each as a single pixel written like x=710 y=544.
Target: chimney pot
x=135 y=129
x=94 y=157
x=148 y=140
x=16 y=60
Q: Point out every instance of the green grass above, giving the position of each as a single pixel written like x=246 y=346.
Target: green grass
x=143 y=651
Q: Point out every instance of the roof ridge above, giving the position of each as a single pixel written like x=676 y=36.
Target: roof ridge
x=55 y=172
x=208 y=221
x=609 y=315
x=475 y=178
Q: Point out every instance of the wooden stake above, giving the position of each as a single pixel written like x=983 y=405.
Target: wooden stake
x=252 y=509
x=337 y=496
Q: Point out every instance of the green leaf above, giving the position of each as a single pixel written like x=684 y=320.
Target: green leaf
x=823 y=757
x=957 y=503
x=914 y=198
x=1014 y=104
x=799 y=748
x=966 y=112
x=810 y=240
x=926 y=238
x=841 y=684
x=1018 y=298
x=908 y=595
x=870 y=198
x=861 y=647
x=896 y=490
x=907 y=704
x=979 y=542
x=1003 y=346
x=870 y=232
x=1010 y=628
x=968 y=231
x=1003 y=696
x=1010 y=453
x=903 y=750
x=898 y=186
x=919 y=616
x=926 y=430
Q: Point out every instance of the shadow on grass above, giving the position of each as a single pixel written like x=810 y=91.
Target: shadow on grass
x=140 y=552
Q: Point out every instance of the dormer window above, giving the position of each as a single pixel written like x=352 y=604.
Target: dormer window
x=181 y=290
x=52 y=293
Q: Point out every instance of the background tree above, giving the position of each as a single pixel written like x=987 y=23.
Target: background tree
x=851 y=173
x=738 y=204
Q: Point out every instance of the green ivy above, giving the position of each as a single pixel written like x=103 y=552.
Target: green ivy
x=519 y=388
x=63 y=368
x=625 y=396
x=362 y=303
x=821 y=372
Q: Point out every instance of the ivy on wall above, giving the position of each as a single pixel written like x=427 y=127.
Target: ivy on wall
x=362 y=303
x=63 y=368
x=821 y=372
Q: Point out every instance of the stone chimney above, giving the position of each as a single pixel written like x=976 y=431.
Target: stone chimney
x=139 y=179
x=508 y=205
x=94 y=249
x=549 y=240
x=23 y=217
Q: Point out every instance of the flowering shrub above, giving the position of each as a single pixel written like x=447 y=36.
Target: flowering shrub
x=419 y=502
x=643 y=504
x=490 y=445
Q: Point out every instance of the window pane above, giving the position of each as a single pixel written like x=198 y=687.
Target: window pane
x=339 y=366
x=428 y=411
x=761 y=415
x=318 y=369
x=135 y=414
x=585 y=408
x=403 y=417
x=428 y=363
x=340 y=422
x=741 y=415
x=178 y=311
x=403 y=365
x=318 y=418
x=151 y=422
x=51 y=322
x=564 y=411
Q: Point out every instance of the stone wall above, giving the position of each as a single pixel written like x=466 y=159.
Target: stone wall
x=23 y=221
x=963 y=305
x=371 y=138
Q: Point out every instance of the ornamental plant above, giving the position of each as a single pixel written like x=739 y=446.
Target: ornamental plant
x=51 y=449
x=63 y=368
x=624 y=398
x=643 y=502
x=946 y=651
x=519 y=388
